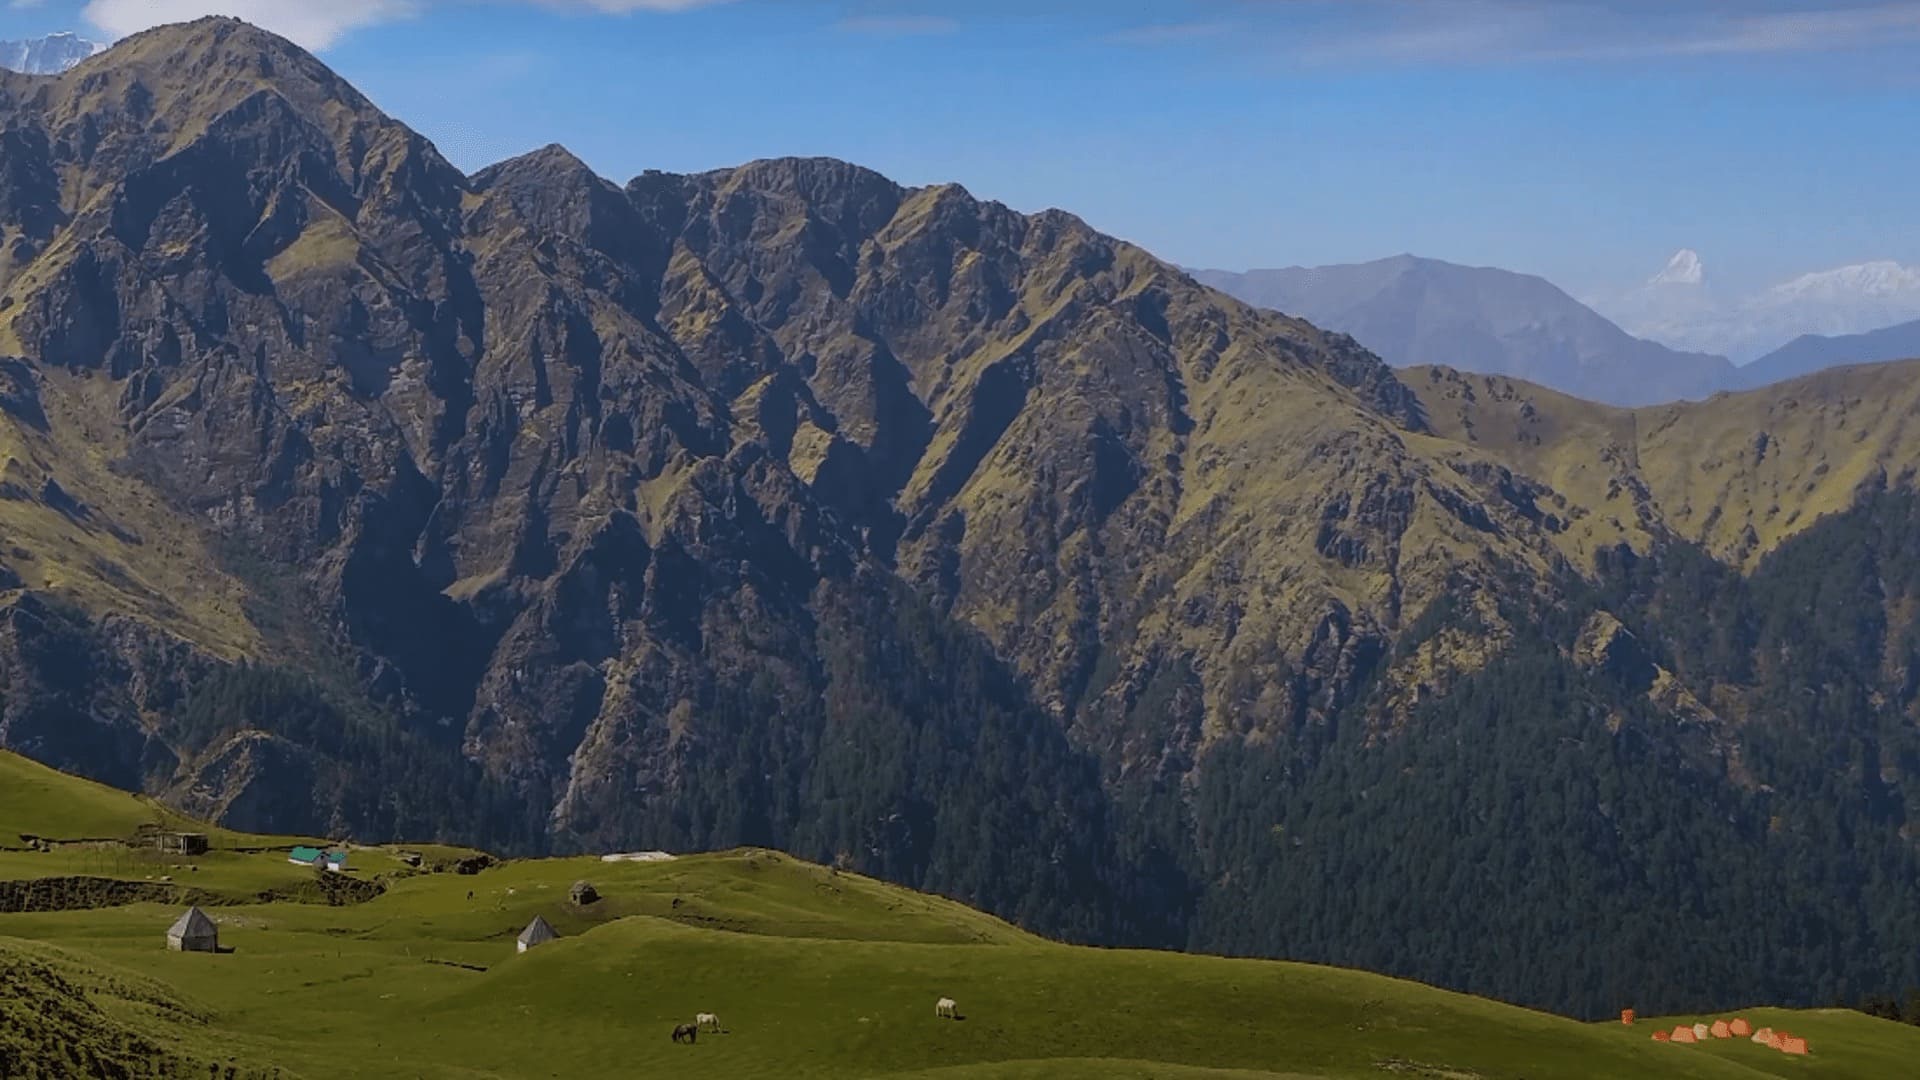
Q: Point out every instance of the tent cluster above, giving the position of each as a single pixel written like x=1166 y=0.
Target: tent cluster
x=1737 y=1028
x=1781 y=1041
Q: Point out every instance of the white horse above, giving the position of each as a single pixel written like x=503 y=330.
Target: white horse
x=707 y=1021
x=946 y=1009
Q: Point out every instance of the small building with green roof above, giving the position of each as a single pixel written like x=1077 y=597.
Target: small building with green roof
x=318 y=858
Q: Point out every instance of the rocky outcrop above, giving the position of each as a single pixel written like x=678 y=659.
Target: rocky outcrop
x=554 y=458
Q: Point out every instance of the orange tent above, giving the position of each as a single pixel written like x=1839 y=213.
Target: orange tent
x=1740 y=1028
x=1793 y=1044
x=1684 y=1035
x=1721 y=1030
x=1626 y=1017
x=1774 y=1039
x=1661 y=1036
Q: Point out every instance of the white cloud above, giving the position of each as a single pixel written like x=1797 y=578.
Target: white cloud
x=1168 y=33
x=622 y=7
x=1796 y=31
x=1469 y=31
x=899 y=25
x=317 y=24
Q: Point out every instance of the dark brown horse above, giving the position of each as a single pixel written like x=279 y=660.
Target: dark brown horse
x=690 y=1031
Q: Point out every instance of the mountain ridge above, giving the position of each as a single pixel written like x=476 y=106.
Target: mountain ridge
x=785 y=505
x=1810 y=353
x=1416 y=311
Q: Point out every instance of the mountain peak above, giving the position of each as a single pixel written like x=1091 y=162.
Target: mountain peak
x=211 y=33
x=1879 y=278
x=1684 y=268
x=196 y=71
x=551 y=159
x=1414 y=311
x=49 y=55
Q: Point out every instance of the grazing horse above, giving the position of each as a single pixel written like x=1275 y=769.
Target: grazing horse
x=690 y=1032
x=946 y=1009
x=707 y=1021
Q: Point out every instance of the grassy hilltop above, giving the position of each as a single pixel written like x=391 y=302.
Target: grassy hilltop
x=813 y=972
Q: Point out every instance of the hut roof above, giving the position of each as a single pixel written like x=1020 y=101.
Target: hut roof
x=538 y=932
x=194 y=924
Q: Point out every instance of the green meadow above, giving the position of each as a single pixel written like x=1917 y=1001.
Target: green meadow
x=813 y=973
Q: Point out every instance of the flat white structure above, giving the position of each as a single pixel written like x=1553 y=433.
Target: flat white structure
x=638 y=856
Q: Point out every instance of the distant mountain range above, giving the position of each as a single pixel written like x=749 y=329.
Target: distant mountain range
x=48 y=55
x=1681 y=307
x=1413 y=311
x=1810 y=353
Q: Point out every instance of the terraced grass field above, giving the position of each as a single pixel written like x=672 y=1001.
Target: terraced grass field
x=814 y=974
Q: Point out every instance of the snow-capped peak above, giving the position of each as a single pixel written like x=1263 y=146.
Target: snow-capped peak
x=1883 y=277
x=1684 y=268
x=49 y=55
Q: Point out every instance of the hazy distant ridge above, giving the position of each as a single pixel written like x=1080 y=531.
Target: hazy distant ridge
x=1413 y=311
x=1811 y=352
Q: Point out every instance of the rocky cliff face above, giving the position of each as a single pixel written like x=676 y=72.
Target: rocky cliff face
x=780 y=504
x=553 y=457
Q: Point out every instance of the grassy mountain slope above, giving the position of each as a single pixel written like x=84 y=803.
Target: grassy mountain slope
x=40 y=801
x=813 y=972
x=1737 y=475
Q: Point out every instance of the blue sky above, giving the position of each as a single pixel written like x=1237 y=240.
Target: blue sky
x=1579 y=139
